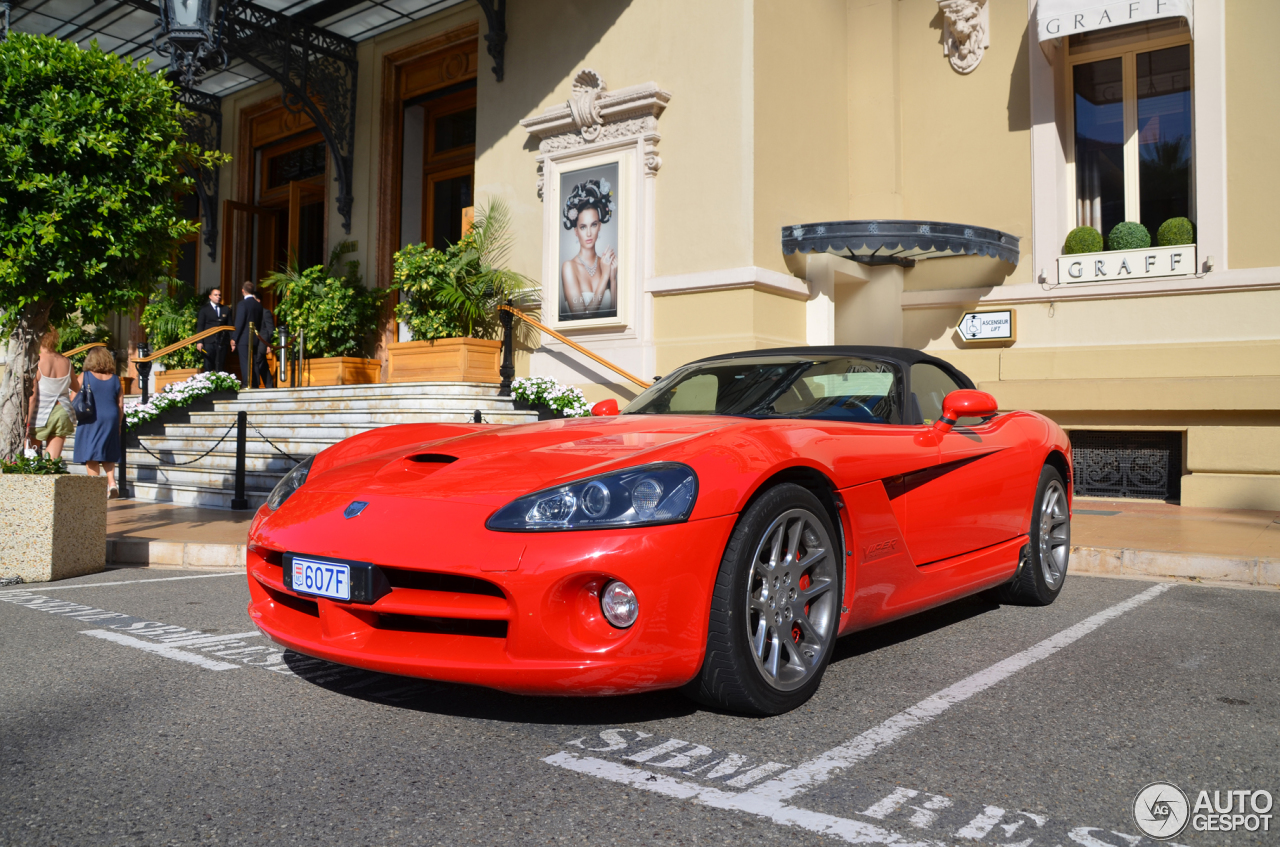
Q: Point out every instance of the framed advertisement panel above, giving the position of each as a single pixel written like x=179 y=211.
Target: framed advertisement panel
x=591 y=251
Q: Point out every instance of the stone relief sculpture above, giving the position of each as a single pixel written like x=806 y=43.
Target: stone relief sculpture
x=594 y=115
x=966 y=32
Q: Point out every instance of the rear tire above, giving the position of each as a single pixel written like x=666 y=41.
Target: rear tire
x=1042 y=568
x=775 y=609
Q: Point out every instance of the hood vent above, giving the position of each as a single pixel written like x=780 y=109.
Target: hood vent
x=433 y=458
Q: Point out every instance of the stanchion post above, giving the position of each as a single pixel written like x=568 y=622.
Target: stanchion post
x=242 y=425
x=507 y=370
x=122 y=469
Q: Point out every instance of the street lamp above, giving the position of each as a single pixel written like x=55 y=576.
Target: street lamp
x=192 y=36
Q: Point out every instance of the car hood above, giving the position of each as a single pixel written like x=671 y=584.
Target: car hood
x=492 y=466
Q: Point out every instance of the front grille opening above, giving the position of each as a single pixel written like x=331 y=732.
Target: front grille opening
x=1135 y=465
x=306 y=607
x=437 y=458
x=443 y=626
x=401 y=578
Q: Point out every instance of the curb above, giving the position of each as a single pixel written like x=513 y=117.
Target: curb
x=136 y=552
x=1153 y=564
x=1095 y=561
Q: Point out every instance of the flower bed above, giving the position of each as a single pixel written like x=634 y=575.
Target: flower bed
x=545 y=391
x=179 y=395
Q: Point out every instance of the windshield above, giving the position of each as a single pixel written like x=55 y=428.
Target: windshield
x=839 y=388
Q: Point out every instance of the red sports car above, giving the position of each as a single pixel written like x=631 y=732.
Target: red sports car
x=718 y=535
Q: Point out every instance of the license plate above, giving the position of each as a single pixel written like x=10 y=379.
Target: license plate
x=324 y=579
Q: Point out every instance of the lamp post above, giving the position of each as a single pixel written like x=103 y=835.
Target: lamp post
x=191 y=35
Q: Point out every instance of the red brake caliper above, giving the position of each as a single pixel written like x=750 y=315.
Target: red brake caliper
x=804 y=584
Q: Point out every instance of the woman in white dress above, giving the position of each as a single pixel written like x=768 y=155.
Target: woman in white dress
x=589 y=280
x=50 y=417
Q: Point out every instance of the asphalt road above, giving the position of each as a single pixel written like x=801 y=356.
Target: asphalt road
x=150 y=713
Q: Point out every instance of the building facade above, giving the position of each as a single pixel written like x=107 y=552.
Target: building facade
x=759 y=174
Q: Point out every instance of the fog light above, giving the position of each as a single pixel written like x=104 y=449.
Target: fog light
x=618 y=602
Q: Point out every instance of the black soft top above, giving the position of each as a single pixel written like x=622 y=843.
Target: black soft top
x=903 y=355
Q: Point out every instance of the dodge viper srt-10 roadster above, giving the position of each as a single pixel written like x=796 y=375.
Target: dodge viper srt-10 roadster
x=717 y=536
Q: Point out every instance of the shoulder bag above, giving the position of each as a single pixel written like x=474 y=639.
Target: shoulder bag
x=83 y=406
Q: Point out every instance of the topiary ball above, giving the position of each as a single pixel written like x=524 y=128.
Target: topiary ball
x=1083 y=239
x=1128 y=235
x=1176 y=231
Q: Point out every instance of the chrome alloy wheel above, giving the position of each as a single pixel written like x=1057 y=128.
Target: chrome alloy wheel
x=792 y=599
x=1055 y=534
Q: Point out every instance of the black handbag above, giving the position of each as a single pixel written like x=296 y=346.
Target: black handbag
x=83 y=406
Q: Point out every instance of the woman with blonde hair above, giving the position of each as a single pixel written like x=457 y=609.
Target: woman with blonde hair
x=50 y=417
x=98 y=442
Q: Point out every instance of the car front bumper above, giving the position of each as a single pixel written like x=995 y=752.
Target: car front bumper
x=517 y=612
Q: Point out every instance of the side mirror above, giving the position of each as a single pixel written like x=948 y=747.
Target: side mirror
x=965 y=403
x=605 y=408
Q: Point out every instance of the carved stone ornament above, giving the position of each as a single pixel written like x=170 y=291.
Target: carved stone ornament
x=966 y=32
x=595 y=116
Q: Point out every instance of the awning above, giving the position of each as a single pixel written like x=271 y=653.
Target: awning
x=1059 y=18
x=898 y=242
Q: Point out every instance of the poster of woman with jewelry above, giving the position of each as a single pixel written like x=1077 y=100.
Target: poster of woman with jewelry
x=589 y=243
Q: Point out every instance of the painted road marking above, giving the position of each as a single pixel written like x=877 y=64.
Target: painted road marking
x=123 y=582
x=768 y=799
x=161 y=650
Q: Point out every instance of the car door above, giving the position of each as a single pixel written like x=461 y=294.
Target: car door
x=973 y=498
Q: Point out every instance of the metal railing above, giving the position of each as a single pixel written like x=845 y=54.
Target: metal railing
x=508 y=368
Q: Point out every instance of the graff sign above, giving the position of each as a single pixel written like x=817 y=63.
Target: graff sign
x=1126 y=265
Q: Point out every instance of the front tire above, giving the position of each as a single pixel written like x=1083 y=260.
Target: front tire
x=776 y=607
x=1042 y=569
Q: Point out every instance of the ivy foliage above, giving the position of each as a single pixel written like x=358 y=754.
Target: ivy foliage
x=329 y=304
x=455 y=292
x=170 y=316
x=91 y=154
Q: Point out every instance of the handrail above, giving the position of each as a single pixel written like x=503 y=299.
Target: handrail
x=584 y=351
x=186 y=342
x=81 y=349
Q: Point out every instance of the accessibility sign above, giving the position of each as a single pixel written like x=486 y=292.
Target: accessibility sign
x=988 y=326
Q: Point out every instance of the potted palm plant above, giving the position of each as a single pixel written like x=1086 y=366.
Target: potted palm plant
x=450 y=302
x=336 y=317
x=169 y=316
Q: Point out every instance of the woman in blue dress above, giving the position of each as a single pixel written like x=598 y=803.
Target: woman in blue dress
x=98 y=443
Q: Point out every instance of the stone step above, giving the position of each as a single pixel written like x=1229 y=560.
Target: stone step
x=383 y=389
x=183 y=495
x=213 y=480
x=375 y=416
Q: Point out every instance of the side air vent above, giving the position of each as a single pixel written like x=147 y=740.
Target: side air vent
x=433 y=458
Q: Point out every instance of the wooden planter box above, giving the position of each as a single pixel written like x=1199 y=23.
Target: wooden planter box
x=52 y=527
x=340 y=370
x=445 y=360
x=166 y=378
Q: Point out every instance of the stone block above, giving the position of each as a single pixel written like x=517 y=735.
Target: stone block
x=52 y=527
x=220 y=556
x=1269 y=572
x=1191 y=566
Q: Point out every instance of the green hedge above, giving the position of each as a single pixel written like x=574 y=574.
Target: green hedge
x=1128 y=235
x=1083 y=239
x=1176 y=231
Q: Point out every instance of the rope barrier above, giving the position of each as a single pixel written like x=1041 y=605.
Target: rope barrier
x=273 y=444
x=193 y=461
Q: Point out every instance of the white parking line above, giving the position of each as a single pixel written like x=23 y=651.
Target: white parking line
x=161 y=650
x=769 y=798
x=29 y=586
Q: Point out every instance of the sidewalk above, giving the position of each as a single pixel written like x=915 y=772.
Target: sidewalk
x=1132 y=538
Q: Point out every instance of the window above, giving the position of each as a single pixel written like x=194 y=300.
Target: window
x=1131 y=115
x=929 y=385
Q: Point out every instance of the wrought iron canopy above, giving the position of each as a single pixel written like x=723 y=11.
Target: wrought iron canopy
x=882 y=242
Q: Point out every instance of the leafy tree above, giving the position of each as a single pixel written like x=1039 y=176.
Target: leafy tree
x=74 y=332
x=335 y=312
x=456 y=292
x=91 y=155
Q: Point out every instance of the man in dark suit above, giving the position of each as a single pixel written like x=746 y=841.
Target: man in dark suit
x=214 y=348
x=251 y=311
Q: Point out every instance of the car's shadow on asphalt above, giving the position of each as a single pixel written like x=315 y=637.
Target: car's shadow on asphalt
x=468 y=701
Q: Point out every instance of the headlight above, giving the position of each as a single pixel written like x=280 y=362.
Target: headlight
x=292 y=482
x=643 y=496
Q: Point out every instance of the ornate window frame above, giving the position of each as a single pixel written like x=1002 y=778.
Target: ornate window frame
x=598 y=127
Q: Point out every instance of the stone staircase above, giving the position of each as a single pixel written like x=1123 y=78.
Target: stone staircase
x=298 y=421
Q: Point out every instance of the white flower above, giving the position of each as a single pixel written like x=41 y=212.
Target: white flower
x=605 y=186
x=573 y=214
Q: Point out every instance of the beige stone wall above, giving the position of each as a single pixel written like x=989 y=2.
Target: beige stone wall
x=744 y=319
x=1253 y=102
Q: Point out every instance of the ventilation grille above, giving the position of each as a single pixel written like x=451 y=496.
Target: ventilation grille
x=1139 y=465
